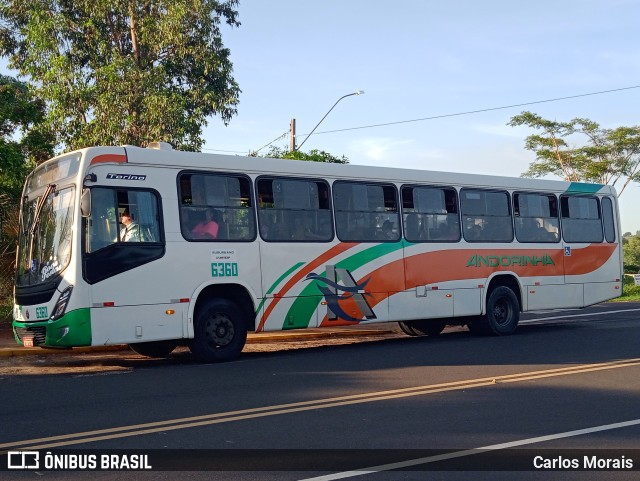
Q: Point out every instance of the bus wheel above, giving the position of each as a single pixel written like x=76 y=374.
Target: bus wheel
x=428 y=327
x=503 y=312
x=154 y=348
x=220 y=331
x=407 y=329
x=422 y=327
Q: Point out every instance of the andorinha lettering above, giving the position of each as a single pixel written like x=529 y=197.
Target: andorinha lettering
x=478 y=260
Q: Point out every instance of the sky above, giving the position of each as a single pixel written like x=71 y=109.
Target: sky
x=429 y=60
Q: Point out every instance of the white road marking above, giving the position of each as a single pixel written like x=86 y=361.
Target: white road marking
x=471 y=452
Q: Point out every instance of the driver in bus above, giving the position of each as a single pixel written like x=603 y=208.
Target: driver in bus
x=131 y=231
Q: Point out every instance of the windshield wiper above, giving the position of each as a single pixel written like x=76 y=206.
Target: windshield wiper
x=36 y=217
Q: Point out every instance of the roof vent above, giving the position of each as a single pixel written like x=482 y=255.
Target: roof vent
x=160 y=146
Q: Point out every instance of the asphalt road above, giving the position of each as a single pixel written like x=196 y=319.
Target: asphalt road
x=567 y=381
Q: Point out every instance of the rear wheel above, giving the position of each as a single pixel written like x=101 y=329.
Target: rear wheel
x=407 y=329
x=425 y=327
x=154 y=348
x=220 y=331
x=503 y=314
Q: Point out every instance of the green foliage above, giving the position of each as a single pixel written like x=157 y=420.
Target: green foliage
x=609 y=156
x=313 y=155
x=631 y=292
x=631 y=250
x=124 y=72
x=23 y=142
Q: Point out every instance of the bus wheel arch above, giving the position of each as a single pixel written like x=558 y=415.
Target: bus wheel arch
x=223 y=315
x=503 y=305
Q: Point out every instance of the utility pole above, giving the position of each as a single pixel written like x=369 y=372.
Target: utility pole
x=292 y=135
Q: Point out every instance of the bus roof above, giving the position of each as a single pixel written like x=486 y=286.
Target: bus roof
x=267 y=166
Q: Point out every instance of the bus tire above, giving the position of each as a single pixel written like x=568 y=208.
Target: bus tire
x=503 y=312
x=428 y=327
x=220 y=331
x=157 y=349
x=407 y=329
x=425 y=327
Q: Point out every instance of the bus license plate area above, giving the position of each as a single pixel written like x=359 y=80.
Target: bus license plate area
x=27 y=341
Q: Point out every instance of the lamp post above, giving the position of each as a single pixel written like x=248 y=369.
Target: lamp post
x=293 y=145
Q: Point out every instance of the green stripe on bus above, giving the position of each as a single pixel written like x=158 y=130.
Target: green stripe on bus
x=583 y=188
x=273 y=286
x=300 y=312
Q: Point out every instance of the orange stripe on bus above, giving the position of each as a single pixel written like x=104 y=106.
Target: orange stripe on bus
x=100 y=159
x=442 y=266
x=318 y=261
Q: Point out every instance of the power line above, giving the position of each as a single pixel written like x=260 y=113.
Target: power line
x=227 y=151
x=274 y=140
x=468 y=112
x=477 y=111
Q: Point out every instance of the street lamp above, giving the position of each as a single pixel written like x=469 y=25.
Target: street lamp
x=357 y=92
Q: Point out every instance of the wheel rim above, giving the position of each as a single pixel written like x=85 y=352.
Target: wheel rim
x=502 y=312
x=219 y=329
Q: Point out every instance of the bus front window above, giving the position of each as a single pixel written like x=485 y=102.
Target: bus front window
x=44 y=246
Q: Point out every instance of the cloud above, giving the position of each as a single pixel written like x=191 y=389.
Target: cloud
x=390 y=152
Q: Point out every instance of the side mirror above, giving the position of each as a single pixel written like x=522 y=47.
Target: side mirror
x=85 y=203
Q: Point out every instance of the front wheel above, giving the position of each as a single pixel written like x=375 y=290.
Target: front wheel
x=220 y=331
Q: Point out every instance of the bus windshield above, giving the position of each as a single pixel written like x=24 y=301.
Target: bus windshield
x=44 y=248
x=44 y=244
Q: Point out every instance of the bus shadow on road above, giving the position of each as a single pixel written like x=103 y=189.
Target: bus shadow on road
x=533 y=343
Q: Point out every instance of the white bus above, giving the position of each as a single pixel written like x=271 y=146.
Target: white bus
x=157 y=248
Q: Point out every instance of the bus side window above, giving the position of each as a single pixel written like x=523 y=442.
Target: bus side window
x=366 y=212
x=487 y=215
x=536 y=217
x=581 y=221
x=294 y=210
x=430 y=214
x=216 y=207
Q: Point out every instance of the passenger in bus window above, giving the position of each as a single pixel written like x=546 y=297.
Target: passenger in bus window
x=387 y=230
x=131 y=231
x=412 y=227
x=208 y=228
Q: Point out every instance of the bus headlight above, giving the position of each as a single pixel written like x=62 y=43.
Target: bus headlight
x=61 y=306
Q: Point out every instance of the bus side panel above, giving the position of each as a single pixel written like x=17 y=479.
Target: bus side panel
x=421 y=303
x=467 y=302
x=130 y=324
x=554 y=296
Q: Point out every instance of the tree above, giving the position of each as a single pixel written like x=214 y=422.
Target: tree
x=631 y=250
x=609 y=156
x=23 y=143
x=124 y=71
x=313 y=155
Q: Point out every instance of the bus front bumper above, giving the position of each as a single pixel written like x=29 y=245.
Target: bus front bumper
x=71 y=330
